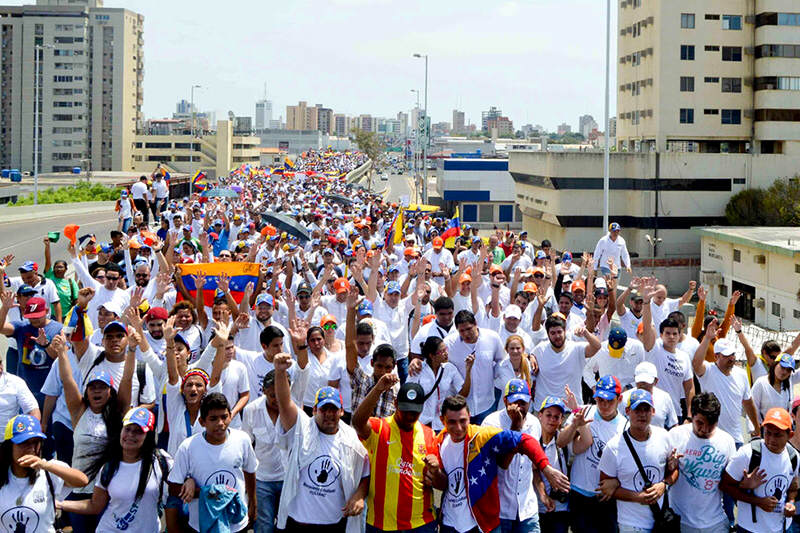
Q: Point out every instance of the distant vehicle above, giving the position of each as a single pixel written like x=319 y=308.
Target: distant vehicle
x=384 y=176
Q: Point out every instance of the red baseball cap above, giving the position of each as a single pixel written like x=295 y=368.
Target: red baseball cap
x=35 y=308
x=156 y=313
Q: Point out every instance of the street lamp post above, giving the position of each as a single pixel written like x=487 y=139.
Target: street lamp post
x=37 y=49
x=416 y=149
x=191 y=144
x=427 y=135
x=606 y=155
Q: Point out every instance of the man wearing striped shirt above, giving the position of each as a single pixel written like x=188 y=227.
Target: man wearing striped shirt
x=401 y=450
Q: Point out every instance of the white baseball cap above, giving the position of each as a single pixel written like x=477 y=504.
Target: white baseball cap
x=724 y=347
x=645 y=372
x=513 y=311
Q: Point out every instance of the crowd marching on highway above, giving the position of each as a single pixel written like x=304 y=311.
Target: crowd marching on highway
x=282 y=351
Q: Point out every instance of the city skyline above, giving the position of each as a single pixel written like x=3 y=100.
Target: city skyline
x=479 y=56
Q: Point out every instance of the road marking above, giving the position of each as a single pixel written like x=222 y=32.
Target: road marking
x=39 y=238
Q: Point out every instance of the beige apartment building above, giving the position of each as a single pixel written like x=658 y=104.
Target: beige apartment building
x=215 y=154
x=713 y=76
x=91 y=68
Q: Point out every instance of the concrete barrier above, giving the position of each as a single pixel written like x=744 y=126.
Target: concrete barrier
x=356 y=175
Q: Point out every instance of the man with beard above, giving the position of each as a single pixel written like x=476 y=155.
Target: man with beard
x=248 y=330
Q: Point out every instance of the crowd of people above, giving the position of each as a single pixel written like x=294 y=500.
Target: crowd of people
x=383 y=369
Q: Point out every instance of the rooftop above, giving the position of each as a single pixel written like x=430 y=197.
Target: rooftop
x=779 y=240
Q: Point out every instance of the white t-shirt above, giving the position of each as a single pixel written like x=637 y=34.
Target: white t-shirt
x=673 y=370
x=176 y=415
x=450 y=384
x=517 y=496
x=731 y=391
x=558 y=460
x=257 y=423
x=29 y=508
x=618 y=462
x=779 y=476
x=665 y=415
x=124 y=511
x=660 y=312
x=160 y=188
x=630 y=323
x=213 y=464
x=233 y=382
x=585 y=473
x=116 y=370
x=15 y=397
x=489 y=352
x=45 y=289
x=397 y=320
x=765 y=397
x=320 y=495
x=431 y=329
x=138 y=190
x=622 y=367
x=318 y=374
x=456 y=512
x=696 y=495
x=557 y=369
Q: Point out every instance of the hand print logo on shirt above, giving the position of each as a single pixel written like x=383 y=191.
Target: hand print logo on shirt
x=323 y=471
x=221 y=477
x=20 y=520
x=653 y=475
x=456 y=483
x=776 y=486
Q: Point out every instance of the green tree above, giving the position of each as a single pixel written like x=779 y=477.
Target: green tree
x=746 y=208
x=369 y=143
x=782 y=202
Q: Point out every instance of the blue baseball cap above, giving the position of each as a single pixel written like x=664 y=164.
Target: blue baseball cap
x=328 y=396
x=786 y=361
x=617 y=338
x=364 y=308
x=25 y=290
x=22 y=428
x=100 y=375
x=475 y=238
x=218 y=222
x=607 y=388
x=327 y=251
x=142 y=417
x=28 y=266
x=541 y=255
x=393 y=268
x=265 y=299
x=516 y=390
x=614 y=227
x=393 y=287
x=554 y=401
x=638 y=397
x=116 y=324
x=566 y=257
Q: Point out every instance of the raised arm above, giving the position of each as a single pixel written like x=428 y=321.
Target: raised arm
x=372 y=284
x=351 y=352
x=72 y=393
x=686 y=296
x=700 y=311
x=48 y=263
x=648 y=331
x=368 y=404
x=172 y=363
x=729 y=311
x=287 y=410
x=699 y=356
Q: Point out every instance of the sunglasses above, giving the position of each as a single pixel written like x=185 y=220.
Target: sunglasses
x=109 y=278
x=328 y=327
x=100 y=277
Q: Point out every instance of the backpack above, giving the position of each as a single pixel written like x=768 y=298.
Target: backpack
x=105 y=477
x=755 y=462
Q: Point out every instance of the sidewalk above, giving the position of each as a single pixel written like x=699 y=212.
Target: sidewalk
x=46 y=211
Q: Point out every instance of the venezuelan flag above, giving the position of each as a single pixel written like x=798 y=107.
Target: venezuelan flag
x=394 y=234
x=453 y=230
x=199 y=180
x=77 y=325
x=240 y=273
x=288 y=163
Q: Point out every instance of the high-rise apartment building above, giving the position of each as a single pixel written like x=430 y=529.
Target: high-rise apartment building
x=458 y=121
x=503 y=125
x=90 y=73
x=586 y=124
x=367 y=123
x=263 y=114
x=486 y=116
x=341 y=125
x=296 y=116
x=403 y=118
x=711 y=77
x=324 y=119
x=563 y=129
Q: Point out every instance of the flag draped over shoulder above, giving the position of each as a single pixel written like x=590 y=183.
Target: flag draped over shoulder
x=453 y=230
x=394 y=233
x=240 y=274
x=77 y=325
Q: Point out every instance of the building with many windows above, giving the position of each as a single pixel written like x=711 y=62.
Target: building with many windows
x=89 y=82
x=709 y=77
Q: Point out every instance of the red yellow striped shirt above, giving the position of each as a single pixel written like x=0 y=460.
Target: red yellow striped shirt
x=397 y=499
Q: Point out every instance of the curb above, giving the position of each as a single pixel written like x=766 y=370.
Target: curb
x=10 y=215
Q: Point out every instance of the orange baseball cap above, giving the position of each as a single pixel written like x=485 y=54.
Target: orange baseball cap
x=578 y=285
x=640 y=328
x=427 y=319
x=465 y=278
x=341 y=285
x=495 y=268
x=438 y=242
x=327 y=319
x=410 y=251
x=778 y=417
x=530 y=287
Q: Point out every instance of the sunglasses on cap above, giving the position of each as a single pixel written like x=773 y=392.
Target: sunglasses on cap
x=328 y=327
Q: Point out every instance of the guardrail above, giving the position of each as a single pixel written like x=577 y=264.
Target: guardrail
x=354 y=176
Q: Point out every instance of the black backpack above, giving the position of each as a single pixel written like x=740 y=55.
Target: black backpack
x=755 y=462
x=105 y=477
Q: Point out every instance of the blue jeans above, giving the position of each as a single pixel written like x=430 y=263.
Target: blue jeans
x=427 y=528
x=402 y=369
x=268 y=494
x=126 y=223
x=530 y=525
x=555 y=522
x=478 y=419
x=12 y=361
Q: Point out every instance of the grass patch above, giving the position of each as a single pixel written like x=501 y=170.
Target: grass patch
x=82 y=192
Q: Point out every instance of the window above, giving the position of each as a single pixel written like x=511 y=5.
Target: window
x=731 y=116
x=711 y=111
x=737 y=256
x=158 y=145
x=486 y=213
x=776 y=309
x=469 y=212
x=777 y=50
x=731 y=53
x=731 y=22
x=687 y=116
x=712 y=17
x=64 y=79
x=723 y=290
x=687 y=52
x=505 y=213
x=687 y=84
x=796 y=268
x=687 y=21
x=731 y=85
x=788 y=19
x=796 y=313
x=711 y=79
x=712 y=48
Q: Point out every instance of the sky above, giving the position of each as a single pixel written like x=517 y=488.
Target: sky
x=539 y=61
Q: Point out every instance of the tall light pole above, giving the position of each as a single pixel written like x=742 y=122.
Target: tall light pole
x=427 y=134
x=416 y=149
x=191 y=144
x=37 y=49
x=607 y=152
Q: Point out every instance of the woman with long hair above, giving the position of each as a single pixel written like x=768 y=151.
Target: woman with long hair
x=96 y=415
x=517 y=366
x=129 y=505
x=774 y=389
x=439 y=379
x=320 y=360
x=28 y=483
